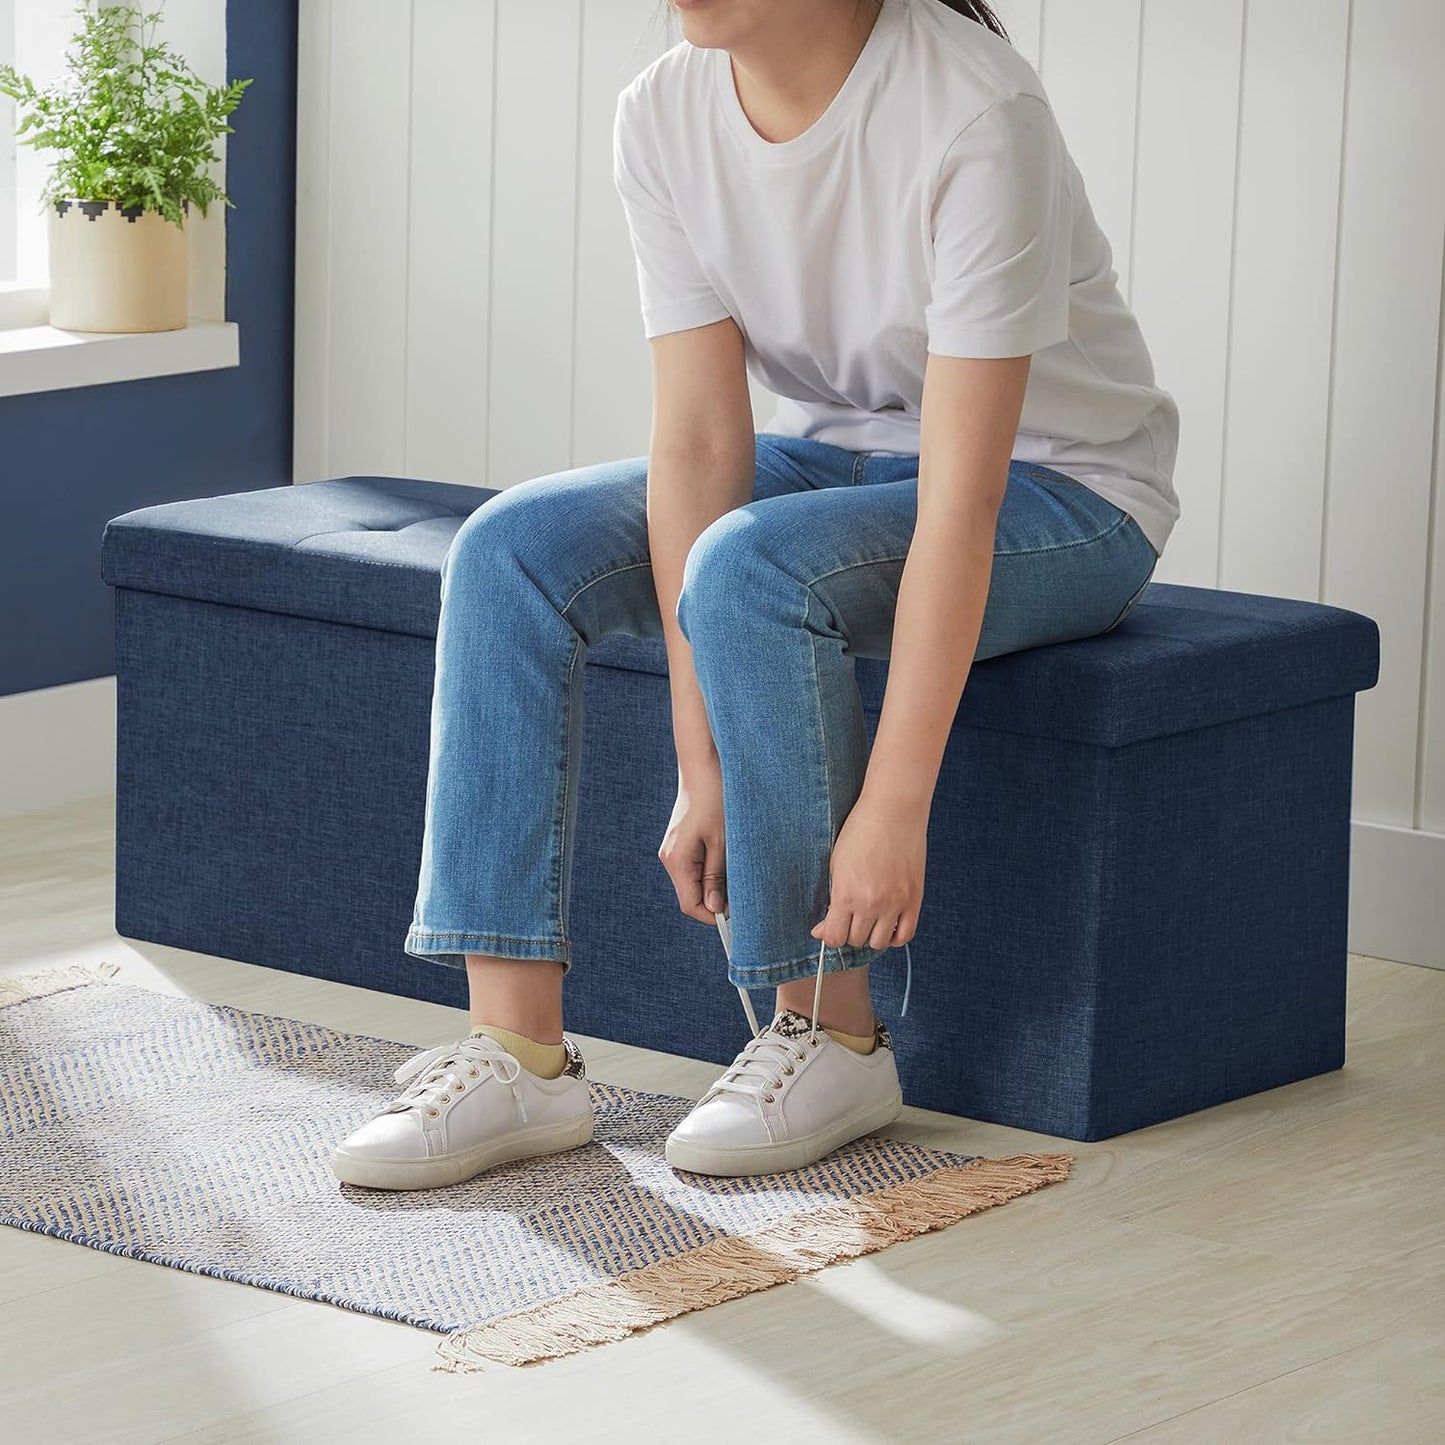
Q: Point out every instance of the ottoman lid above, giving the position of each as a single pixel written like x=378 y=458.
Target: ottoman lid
x=361 y=550
x=368 y=551
x=1184 y=657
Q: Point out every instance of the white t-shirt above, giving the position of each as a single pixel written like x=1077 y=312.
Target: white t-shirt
x=932 y=207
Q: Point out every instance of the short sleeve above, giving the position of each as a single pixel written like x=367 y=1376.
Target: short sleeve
x=675 y=294
x=1002 y=218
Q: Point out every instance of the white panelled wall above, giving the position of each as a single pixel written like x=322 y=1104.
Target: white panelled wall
x=1268 y=172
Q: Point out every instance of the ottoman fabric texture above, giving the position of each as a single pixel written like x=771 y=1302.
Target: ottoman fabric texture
x=1138 y=848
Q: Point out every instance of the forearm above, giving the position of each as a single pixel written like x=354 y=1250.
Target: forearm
x=937 y=623
x=685 y=493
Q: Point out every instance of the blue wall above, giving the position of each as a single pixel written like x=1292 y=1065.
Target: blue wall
x=74 y=459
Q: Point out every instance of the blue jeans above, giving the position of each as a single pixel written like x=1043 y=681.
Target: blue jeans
x=778 y=597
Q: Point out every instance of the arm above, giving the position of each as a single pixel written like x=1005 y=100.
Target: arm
x=970 y=414
x=701 y=454
x=969 y=420
x=1002 y=220
x=700 y=466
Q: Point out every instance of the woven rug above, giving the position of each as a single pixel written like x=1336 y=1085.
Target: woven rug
x=197 y=1135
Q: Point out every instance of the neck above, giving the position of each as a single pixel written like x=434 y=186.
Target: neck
x=789 y=61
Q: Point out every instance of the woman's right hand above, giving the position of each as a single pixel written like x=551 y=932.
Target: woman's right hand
x=694 y=847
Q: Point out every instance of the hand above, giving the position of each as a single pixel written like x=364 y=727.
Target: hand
x=694 y=847
x=876 y=877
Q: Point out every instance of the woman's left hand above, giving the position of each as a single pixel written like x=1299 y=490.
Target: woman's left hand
x=876 y=876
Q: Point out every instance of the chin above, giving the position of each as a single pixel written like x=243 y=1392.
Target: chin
x=700 y=20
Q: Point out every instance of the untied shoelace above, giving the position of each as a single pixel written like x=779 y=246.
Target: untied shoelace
x=765 y=1054
x=438 y=1073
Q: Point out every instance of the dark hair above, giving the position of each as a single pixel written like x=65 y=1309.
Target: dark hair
x=979 y=11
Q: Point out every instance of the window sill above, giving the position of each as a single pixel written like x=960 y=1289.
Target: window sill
x=41 y=358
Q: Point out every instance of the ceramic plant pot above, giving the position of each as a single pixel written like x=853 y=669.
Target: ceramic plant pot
x=116 y=270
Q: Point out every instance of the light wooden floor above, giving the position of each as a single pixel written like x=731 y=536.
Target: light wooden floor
x=1269 y=1270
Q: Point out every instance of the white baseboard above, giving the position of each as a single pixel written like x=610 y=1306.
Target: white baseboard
x=57 y=745
x=1397 y=894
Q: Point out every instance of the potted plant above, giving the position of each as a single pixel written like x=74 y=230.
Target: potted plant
x=134 y=128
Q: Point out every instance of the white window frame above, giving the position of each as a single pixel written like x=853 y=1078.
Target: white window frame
x=35 y=356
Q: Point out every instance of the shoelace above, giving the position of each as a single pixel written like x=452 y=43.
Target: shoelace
x=725 y=929
x=435 y=1076
x=767 y=1058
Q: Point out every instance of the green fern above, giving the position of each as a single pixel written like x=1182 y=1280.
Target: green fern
x=130 y=119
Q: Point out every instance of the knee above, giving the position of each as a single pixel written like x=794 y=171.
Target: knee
x=731 y=571
x=711 y=560
x=495 y=538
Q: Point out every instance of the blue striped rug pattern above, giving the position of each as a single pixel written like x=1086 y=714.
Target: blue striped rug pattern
x=197 y=1135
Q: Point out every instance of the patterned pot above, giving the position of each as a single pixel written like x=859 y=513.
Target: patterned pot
x=116 y=270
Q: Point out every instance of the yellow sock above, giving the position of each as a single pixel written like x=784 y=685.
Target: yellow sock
x=859 y=1043
x=545 y=1060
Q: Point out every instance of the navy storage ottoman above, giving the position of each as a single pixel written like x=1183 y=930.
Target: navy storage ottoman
x=1138 y=850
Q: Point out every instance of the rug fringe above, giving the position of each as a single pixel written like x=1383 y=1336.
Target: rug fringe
x=726 y=1268
x=21 y=987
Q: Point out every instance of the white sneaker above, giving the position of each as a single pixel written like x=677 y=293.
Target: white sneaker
x=467 y=1107
x=791 y=1096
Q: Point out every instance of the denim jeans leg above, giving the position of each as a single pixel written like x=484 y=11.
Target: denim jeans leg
x=772 y=659
x=534 y=576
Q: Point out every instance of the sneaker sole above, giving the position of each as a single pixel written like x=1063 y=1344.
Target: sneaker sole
x=790 y=1153
x=440 y=1169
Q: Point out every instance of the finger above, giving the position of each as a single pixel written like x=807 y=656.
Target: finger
x=883 y=934
x=863 y=926
x=701 y=912
x=907 y=927
x=714 y=879
x=833 y=930
x=687 y=880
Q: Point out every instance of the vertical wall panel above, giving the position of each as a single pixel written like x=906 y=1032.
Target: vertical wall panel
x=370 y=158
x=610 y=356
x=1382 y=423
x=1183 y=229
x=1091 y=73
x=534 y=239
x=1283 y=299
x=1023 y=19
x=449 y=277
